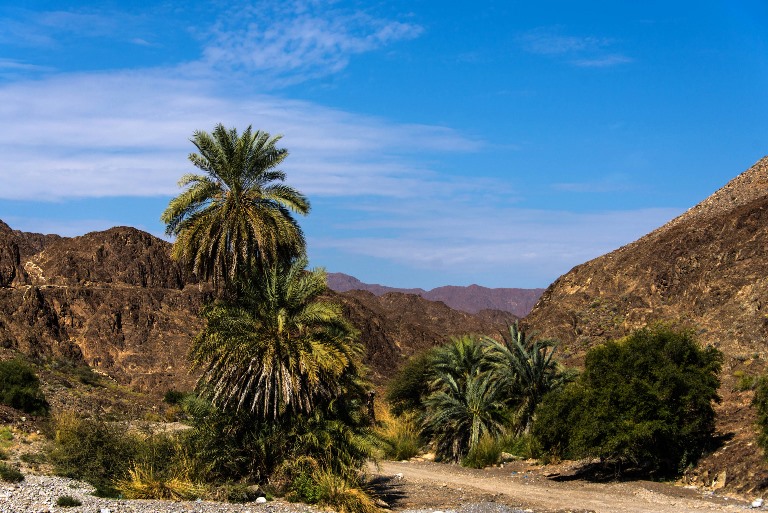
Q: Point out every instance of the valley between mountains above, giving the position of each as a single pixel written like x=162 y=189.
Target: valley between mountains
x=116 y=301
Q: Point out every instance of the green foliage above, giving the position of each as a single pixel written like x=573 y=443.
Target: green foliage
x=66 y=501
x=10 y=474
x=645 y=400
x=485 y=453
x=33 y=458
x=87 y=376
x=174 y=396
x=20 y=388
x=91 y=450
x=238 y=214
x=467 y=401
x=760 y=403
x=407 y=389
x=282 y=349
x=745 y=381
x=343 y=494
x=529 y=369
x=399 y=436
x=524 y=446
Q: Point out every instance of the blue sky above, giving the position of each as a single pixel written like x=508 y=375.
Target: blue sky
x=497 y=143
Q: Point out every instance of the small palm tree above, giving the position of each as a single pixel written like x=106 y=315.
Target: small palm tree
x=467 y=400
x=281 y=349
x=238 y=214
x=528 y=367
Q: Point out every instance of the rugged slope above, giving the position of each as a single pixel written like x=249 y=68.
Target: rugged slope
x=116 y=301
x=471 y=299
x=706 y=269
x=395 y=326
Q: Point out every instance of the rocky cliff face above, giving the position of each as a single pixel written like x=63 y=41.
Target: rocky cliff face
x=707 y=270
x=395 y=326
x=116 y=301
x=113 y=299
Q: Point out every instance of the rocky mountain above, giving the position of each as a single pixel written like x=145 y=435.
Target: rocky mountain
x=471 y=299
x=707 y=270
x=116 y=301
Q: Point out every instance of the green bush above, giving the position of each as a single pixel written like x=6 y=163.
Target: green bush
x=92 y=450
x=485 y=453
x=10 y=474
x=65 y=501
x=20 y=388
x=644 y=401
x=523 y=446
x=174 y=396
x=760 y=402
x=744 y=381
x=408 y=388
x=398 y=436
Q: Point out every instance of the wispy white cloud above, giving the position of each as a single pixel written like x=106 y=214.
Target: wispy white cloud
x=294 y=41
x=603 y=61
x=46 y=28
x=551 y=42
x=610 y=184
x=500 y=241
x=14 y=65
x=127 y=134
x=581 y=51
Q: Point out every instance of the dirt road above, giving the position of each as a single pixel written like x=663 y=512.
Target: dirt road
x=424 y=485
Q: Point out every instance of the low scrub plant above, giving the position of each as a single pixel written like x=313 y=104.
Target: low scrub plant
x=91 y=450
x=523 y=446
x=399 y=436
x=485 y=453
x=760 y=403
x=744 y=381
x=144 y=482
x=10 y=474
x=342 y=495
x=67 y=501
x=20 y=388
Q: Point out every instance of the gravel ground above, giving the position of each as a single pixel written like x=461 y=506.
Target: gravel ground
x=38 y=494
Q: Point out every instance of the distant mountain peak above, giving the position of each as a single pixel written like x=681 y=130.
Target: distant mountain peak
x=472 y=299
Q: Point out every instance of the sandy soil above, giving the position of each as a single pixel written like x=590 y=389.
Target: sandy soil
x=427 y=485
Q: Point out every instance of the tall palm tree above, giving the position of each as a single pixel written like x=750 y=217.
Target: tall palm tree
x=238 y=214
x=467 y=400
x=281 y=349
x=529 y=368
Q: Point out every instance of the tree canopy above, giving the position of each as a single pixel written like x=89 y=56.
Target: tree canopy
x=238 y=215
x=645 y=400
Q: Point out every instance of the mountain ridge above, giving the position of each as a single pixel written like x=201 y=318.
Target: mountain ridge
x=472 y=298
x=707 y=271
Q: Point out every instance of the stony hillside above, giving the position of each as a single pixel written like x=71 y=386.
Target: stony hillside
x=471 y=299
x=707 y=269
x=116 y=301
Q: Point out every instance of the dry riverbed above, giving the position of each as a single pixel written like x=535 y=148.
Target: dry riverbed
x=522 y=486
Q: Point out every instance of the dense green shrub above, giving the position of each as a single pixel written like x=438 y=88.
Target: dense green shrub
x=92 y=450
x=173 y=396
x=10 y=474
x=20 y=388
x=760 y=402
x=644 y=401
x=408 y=388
